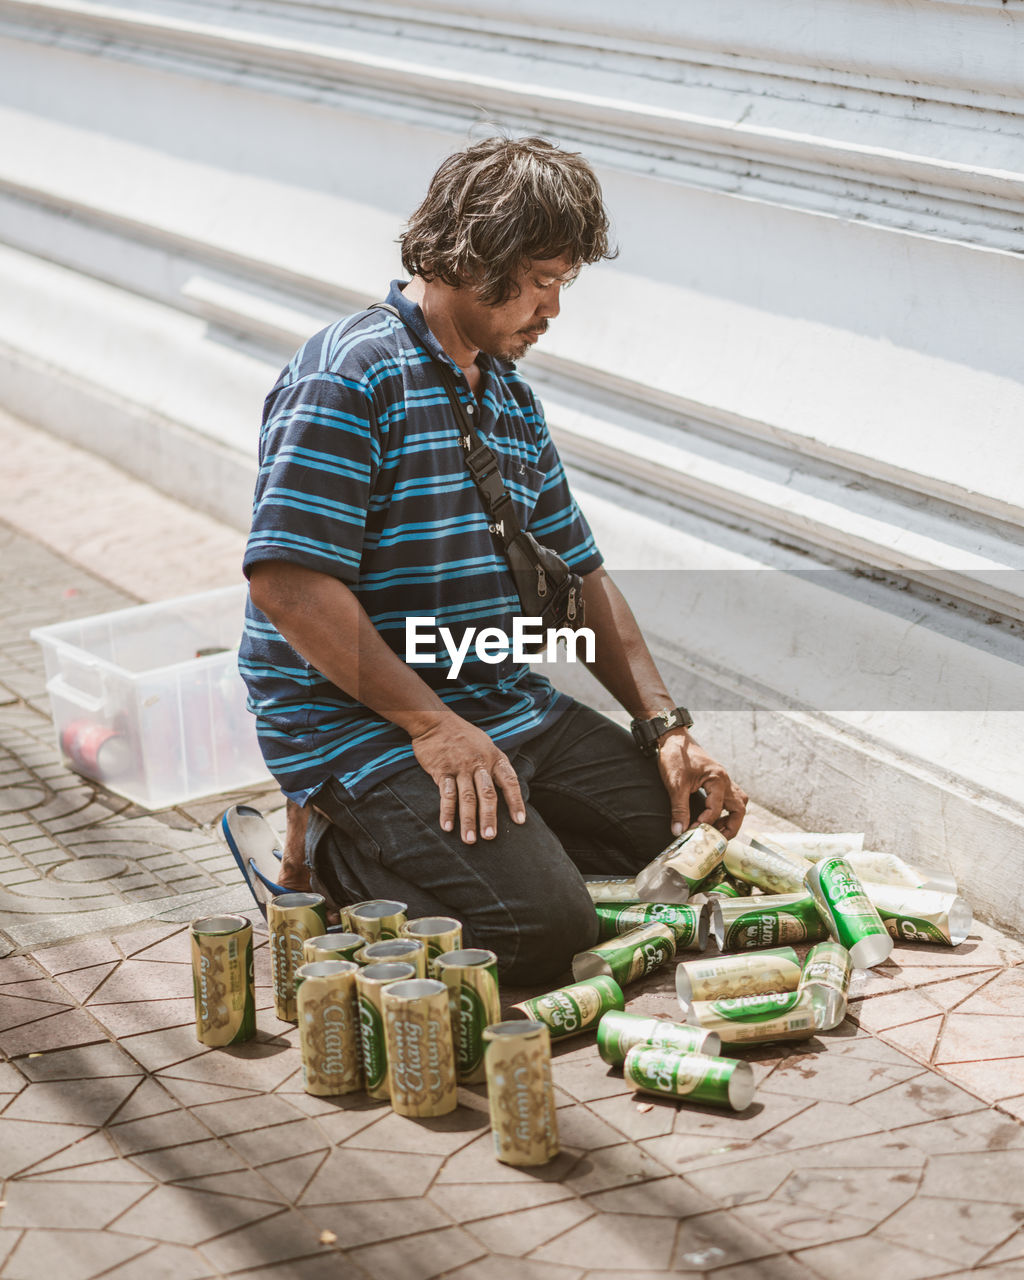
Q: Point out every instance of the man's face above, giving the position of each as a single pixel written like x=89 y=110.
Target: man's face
x=509 y=329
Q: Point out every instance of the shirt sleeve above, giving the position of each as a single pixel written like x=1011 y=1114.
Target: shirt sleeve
x=319 y=454
x=557 y=520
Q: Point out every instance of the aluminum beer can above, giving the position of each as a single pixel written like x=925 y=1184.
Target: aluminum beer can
x=815 y=845
x=689 y=924
x=720 y=884
x=618 y=1032
x=921 y=915
x=770 y=869
x=611 y=888
x=332 y=946
x=747 y=974
x=409 y=950
x=376 y=920
x=826 y=975
x=291 y=919
x=848 y=913
x=678 y=870
x=628 y=957
x=569 y=1011
x=524 y=1120
x=222 y=978
x=471 y=977
x=747 y=924
x=693 y=1077
x=437 y=933
x=887 y=868
x=421 y=1054
x=371 y=980
x=785 y=1015
x=325 y=993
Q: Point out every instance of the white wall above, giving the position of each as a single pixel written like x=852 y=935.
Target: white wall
x=806 y=357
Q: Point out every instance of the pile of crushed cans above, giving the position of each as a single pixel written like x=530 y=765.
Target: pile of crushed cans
x=400 y=1009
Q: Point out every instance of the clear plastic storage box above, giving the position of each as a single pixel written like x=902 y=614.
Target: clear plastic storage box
x=149 y=701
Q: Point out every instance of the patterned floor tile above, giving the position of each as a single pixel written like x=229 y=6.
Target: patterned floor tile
x=835 y=1078
x=440 y=1136
x=372 y=1221
x=917 y=1039
x=466 y=1203
x=25 y=1143
x=871 y=1256
x=665 y=1197
x=90 y=1102
x=73 y=1255
x=796 y=1226
x=179 y=1215
x=520 y=1233
x=925 y=1097
x=68 y=1205
x=974 y=1037
x=419 y=1257
x=963 y=1237
x=350 y=1176
x=102 y=1059
x=717 y=1240
x=994 y=1176
x=273 y=1238
x=498 y=1268
x=163 y=1262
x=894 y=1010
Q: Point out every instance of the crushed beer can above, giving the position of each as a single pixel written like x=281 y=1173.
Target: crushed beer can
x=690 y=924
x=325 y=994
x=437 y=933
x=760 y=1019
x=571 y=1010
x=222 y=980
x=921 y=915
x=887 y=868
x=627 y=957
x=376 y=920
x=826 y=975
x=677 y=872
x=769 y=869
x=332 y=946
x=750 y=923
x=410 y=950
x=611 y=888
x=747 y=974
x=720 y=884
x=471 y=977
x=421 y=1055
x=292 y=918
x=690 y=1077
x=848 y=913
x=524 y=1119
x=370 y=983
x=618 y=1032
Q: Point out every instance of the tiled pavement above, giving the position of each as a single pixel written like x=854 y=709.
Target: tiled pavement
x=891 y=1147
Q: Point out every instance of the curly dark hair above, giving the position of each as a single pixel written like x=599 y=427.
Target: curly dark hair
x=499 y=204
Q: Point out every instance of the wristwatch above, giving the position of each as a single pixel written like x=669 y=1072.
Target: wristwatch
x=647 y=732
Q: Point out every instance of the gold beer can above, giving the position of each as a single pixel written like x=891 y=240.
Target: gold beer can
x=749 y=973
x=471 y=977
x=377 y=920
x=438 y=933
x=328 y=1010
x=421 y=1055
x=222 y=979
x=524 y=1121
x=395 y=950
x=332 y=946
x=291 y=919
x=370 y=983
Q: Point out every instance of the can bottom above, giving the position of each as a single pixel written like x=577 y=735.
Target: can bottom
x=741 y=1086
x=874 y=949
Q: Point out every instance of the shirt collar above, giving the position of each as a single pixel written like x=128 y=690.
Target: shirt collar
x=414 y=319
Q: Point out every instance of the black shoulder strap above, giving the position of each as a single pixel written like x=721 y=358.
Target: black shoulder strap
x=480 y=459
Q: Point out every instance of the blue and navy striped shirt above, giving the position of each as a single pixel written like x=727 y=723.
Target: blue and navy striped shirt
x=362 y=477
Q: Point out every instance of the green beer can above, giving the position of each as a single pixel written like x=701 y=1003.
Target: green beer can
x=471 y=977
x=747 y=974
x=922 y=915
x=569 y=1011
x=618 y=1032
x=677 y=871
x=690 y=925
x=222 y=980
x=786 y=1015
x=332 y=946
x=740 y=925
x=692 y=1077
x=826 y=975
x=371 y=980
x=291 y=919
x=628 y=957
x=848 y=913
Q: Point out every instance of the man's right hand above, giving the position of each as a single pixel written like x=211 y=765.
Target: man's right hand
x=469 y=770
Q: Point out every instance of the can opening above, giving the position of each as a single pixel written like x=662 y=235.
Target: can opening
x=392 y=947
x=961 y=917
x=375 y=910
x=432 y=924
x=416 y=989
x=471 y=956
x=326 y=969
x=297 y=900
x=524 y=1027
x=336 y=941
x=219 y=924
x=741 y=1086
x=393 y=972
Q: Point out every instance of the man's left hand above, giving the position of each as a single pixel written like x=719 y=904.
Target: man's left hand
x=685 y=768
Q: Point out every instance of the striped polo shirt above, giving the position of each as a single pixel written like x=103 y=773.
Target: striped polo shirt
x=362 y=477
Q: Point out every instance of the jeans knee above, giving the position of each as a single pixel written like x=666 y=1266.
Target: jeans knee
x=555 y=930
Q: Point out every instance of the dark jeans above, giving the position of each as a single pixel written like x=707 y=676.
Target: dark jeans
x=593 y=805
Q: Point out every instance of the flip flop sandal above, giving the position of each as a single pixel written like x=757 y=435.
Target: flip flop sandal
x=256 y=848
